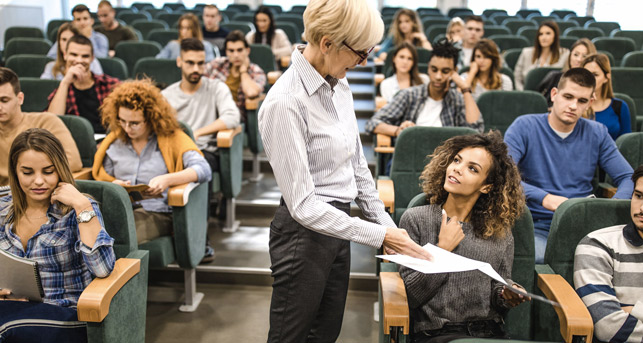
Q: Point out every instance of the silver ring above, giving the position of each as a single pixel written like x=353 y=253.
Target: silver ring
x=54 y=193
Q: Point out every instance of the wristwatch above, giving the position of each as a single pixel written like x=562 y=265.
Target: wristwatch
x=85 y=216
x=466 y=90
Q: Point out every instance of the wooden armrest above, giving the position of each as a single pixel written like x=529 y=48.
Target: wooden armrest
x=225 y=137
x=379 y=103
x=379 y=78
x=384 y=144
x=83 y=174
x=395 y=307
x=93 y=304
x=253 y=104
x=177 y=196
x=573 y=315
x=285 y=61
x=273 y=76
x=605 y=190
x=387 y=194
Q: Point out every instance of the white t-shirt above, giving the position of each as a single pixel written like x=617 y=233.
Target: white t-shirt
x=430 y=115
x=466 y=56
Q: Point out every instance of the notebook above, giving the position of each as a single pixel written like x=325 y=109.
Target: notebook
x=137 y=193
x=20 y=276
x=4 y=190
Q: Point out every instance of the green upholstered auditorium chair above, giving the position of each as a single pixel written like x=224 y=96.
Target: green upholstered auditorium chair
x=412 y=148
x=22 y=31
x=26 y=45
x=129 y=17
x=496 y=30
x=83 y=133
x=617 y=46
x=637 y=36
x=632 y=106
x=506 y=42
x=36 y=91
x=169 y=18
x=254 y=137
x=514 y=24
x=500 y=108
x=581 y=32
x=535 y=76
x=633 y=59
x=291 y=30
x=114 y=67
x=145 y=26
x=27 y=65
x=115 y=307
x=630 y=81
x=606 y=26
x=511 y=57
x=162 y=36
x=242 y=26
x=132 y=51
x=162 y=71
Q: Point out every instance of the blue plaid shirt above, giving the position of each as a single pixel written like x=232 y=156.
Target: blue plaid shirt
x=409 y=103
x=65 y=263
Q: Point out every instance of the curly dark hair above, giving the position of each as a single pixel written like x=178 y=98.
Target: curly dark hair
x=445 y=49
x=494 y=213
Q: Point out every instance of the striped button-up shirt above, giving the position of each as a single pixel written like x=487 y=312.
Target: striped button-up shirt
x=66 y=265
x=310 y=135
x=409 y=103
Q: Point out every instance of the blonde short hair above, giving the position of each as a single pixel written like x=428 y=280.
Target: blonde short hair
x=350 y=21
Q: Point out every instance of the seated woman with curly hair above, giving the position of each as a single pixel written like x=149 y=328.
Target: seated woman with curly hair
x=146 y=146
x=475 y=197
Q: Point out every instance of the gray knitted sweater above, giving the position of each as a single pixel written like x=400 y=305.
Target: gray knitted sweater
x=436 y=299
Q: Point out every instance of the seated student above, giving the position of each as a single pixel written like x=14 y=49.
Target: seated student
x=13 y=121
x=81 y=92
x=436 y=105
x=579 y=50
x=546 y=52
x=189 y=27
x=266 y=33
x=455 y=30
x=606 y=109
x=245 y=79
x=146 y=146
x=83 y=22
x=212 y=30
x=406 y=27
x=473 y=33
x=484 y=74
x=405 y=72
x=46 y=219
x=558 y=152
x=474 y=191
x=608 y=268
x=111 y=28
x=55 y=70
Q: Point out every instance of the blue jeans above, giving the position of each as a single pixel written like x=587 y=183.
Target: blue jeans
x=39 y=322
x=541 y=232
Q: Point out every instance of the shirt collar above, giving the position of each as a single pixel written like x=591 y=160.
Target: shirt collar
x=313 y=80
x=631 y=234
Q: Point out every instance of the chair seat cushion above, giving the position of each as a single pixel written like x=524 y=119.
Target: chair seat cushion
x=161 y=251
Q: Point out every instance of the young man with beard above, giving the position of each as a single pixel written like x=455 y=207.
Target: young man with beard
x=608 y=269
x=81 y=92
x=557 y=153
x=436 y=105
x=111 y=28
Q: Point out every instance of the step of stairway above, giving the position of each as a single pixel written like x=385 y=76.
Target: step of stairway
x=363 y=91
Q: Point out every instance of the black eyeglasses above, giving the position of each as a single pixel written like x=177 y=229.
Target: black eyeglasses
x=362 y=55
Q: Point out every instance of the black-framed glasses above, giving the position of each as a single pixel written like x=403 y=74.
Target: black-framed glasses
x=362 y=55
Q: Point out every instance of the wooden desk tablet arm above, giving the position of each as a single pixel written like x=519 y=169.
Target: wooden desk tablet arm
x=384 y=144
x=83 y=174
x=273 y=76
x=93 y=304
x=253 y=104
x=379 y=77
x=380 y=102
x=395 y=308
x=284 y=61
x=386 y=190
x=225 y=137
x=575 y=321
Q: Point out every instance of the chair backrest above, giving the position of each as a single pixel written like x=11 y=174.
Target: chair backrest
x=291 y=31
x=581 y=20
x=633 y=59
x=535 y=76
x=529 y=32
x=496 y=30
x=572 y=221
x=276 y=9
x=262 y=55
x=52 y=27
x=162 y=36
x=296 y=19
x=456 y=11
x=176 y=6
x=25 y=45
x=631 y=147
x=114 y=67
x=298 y=9
x=116 y=208
x=567 y=41
x=462 y=14
x=26 y=65
x=242 y=26
x=412 y=150
x=631 y=105
x=239 y=7
x=163 y=71
x=130 y=17
x=169 y=18
x=434 y=30
x=154 y=11
x=83 y=133
x=130 y=52
x=243 y=17
x=500 y=18
x=506 y=42
x=606 y=26
x=515 y=24
x=564 y=25
x=581 y=32
x=517 y=321
x=490 y=12
x=141 y=5
x=618 y=46
x=511 y=57
x=562 y=13
x=500 y=108
x=540 y=18
x=524 y=13
x=145 y=26
x=22 y=31
x=36 y=91
x=637 y=36
x=630 y=82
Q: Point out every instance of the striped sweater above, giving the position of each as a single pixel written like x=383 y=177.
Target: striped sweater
x=608 y=274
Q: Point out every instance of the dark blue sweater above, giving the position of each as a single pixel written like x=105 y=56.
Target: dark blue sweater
x=616 y=124
x=549 y=164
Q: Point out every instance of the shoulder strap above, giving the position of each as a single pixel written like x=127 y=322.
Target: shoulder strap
x=616 y=105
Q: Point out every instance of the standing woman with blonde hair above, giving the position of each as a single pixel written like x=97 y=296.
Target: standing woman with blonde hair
x=606 y=109
x=308 y=127
x=406 y=27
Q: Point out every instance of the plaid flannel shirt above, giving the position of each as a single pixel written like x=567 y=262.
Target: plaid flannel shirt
x=219 y=68
x=409 y=103
x=66 y=265
x=103 y=85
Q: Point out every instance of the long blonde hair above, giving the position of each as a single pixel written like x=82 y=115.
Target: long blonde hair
x=43 y=141
x=59 y=65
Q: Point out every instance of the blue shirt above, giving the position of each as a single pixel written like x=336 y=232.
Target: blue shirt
x=549 y=164
x=616 y=124
x=66 y=265
x=124 y=163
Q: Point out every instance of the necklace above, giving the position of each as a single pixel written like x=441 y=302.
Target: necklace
x=34 y=218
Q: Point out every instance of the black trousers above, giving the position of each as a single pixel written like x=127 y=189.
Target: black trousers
x=310 y=272
x=453 y=331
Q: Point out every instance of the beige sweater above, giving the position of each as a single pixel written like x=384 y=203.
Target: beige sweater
x=48 y=121
x=280 y=44
x=525 y=65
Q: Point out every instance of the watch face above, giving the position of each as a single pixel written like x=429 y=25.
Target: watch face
x=86 y=216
